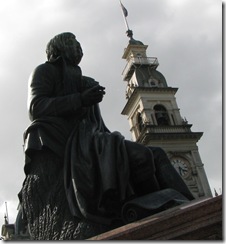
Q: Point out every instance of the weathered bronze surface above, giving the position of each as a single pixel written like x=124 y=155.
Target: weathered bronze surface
x=79 y=174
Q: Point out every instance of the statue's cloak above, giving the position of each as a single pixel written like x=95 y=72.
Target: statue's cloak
x=95 y=159
x=96 y=170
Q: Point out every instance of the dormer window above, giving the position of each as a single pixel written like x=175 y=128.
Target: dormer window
x=153 y=82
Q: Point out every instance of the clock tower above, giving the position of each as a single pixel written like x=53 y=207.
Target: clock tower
x=155 y=119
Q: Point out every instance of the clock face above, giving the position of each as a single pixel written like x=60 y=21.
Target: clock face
x=182 y=166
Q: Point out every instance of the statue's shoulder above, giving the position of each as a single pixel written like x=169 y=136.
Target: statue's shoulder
x=47 y=69
x=48 y=66
x=45 y=73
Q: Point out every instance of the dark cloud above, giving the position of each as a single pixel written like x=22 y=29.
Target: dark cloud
x=185 y=35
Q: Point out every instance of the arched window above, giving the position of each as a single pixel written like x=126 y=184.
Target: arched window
x=140 y=122
x=153 y=82
x=161 y=115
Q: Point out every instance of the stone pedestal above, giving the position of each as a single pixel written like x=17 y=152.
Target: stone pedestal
x=201 y=219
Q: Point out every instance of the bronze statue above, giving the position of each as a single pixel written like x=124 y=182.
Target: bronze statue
x=78 y=173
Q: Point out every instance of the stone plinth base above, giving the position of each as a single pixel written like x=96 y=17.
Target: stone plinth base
x=201 y=219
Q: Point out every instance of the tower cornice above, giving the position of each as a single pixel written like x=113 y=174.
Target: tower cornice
x=149 y=134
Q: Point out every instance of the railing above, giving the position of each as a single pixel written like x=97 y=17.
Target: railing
x=152 y=61
x=168 y=129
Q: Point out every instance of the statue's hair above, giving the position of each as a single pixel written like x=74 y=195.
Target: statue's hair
x=57 y=44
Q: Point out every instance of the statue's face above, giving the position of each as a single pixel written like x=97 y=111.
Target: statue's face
x=73 y=51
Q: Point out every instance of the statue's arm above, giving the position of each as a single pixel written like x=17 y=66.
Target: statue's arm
x=88 y=82
x=41 y=98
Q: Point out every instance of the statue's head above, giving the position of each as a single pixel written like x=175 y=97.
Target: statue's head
x=66 y=46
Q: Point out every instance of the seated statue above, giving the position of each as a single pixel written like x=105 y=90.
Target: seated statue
x=79 y=174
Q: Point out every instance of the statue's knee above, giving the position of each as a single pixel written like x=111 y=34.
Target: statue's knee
x=157 y=151
x=145 y=159
x=160 y=158
x=142 y=166
x=140 y=158
x=158 y=154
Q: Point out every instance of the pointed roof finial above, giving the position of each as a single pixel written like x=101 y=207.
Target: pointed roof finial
x=130 y=34
x=6 y=219
x=6 y=214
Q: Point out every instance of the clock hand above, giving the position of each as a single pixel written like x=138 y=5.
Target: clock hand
x=180 y=170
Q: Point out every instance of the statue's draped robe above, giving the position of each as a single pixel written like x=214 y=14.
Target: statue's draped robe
x=96 y=170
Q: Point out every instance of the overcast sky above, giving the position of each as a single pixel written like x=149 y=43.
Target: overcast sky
x=185 y=36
